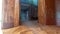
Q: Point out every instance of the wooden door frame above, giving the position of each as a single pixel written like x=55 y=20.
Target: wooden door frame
x=43 y=16
x=42 y=11
x=50 y=12
x=8 y=13
x=16 y=13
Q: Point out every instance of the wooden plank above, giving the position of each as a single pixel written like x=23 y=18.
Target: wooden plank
x=8 y=12
x=50 y=9
x=41 y=12
x=16 y=13
x=46 y=12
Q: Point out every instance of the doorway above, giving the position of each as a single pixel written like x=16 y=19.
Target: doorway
x=13 y=12
x=29 y=11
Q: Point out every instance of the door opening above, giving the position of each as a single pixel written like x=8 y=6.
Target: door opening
x=28 y=10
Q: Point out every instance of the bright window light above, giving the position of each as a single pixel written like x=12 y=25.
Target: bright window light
x=0 y=16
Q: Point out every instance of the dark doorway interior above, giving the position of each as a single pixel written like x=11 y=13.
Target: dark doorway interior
x=29 y=10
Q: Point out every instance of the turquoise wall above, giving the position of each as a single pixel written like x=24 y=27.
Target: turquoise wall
x=23 y=14
x=35 y=2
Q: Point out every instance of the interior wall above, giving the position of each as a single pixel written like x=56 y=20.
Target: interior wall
x=58 y=12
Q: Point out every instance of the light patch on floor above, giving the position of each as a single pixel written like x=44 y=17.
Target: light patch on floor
x=33 y=30
x=32 y=27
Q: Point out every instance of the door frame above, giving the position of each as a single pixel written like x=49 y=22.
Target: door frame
x=42 y=12
x=16 y=13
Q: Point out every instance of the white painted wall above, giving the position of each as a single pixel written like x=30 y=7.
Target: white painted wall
x=58 y=12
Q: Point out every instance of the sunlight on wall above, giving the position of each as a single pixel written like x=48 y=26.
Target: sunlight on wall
x=0 y=15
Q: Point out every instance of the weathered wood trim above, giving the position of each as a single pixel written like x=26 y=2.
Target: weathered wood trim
x=16 y=13
x=51 y=13
x=46 y=12
x=8 y=13
x=41 y=12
